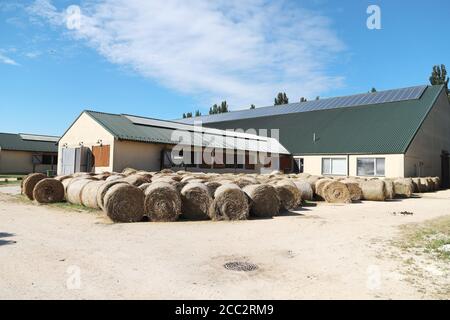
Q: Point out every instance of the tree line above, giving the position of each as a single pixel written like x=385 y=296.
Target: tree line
x=438 y=77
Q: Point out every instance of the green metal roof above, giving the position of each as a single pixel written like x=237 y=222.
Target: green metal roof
x=133 y=128
x=385 y=128
x=33 y=143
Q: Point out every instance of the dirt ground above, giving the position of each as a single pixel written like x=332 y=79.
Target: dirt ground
x=318 y=252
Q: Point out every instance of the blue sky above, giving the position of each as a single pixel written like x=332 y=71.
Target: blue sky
x=160 y=58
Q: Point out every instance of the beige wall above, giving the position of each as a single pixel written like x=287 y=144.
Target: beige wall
x=394 y=163
x=89 y=132
x=137 y=155
x=423 y=157
x=20 y=162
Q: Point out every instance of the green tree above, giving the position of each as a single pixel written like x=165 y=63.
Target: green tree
x=252 y=106
x=373 y=90
x=184 y=115
x=281 y=99
x=439 y=76
x=189 y=115
x=215 y=109
x=198 y=113
x=303 y=99
x=317 y=98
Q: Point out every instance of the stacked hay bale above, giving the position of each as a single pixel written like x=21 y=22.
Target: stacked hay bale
x=336 y=192
x=30 y=182
x=195 y=201
x=354 y=188
x=124 y=203
x=230 y=203
x=48 y=190
x=373 y=190
x=162 y=202
x=289 y=195
x=305 y=188
x=403 y=187
x=264 y=200
x=89 y=194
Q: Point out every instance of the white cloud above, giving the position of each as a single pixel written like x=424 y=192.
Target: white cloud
x=242 y=51
x=6 y=60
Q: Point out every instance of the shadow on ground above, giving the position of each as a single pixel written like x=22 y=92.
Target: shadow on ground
x=6 y=235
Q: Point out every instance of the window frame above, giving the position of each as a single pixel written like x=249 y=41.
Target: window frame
x=375 y=172
x=331 y=166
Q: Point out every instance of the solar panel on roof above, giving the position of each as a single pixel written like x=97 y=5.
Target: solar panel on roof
x=411 y=93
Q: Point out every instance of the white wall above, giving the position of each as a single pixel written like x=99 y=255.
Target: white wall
x=423 y=156
x=394 y=163
x=89 y=132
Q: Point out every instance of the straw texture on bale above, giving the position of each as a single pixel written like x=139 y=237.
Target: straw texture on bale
x=230 y=203
x=162 y=202
x=389 y=187
x=264 y=201
x=48 y=190
x=128 y=171
x=403 y=188
x=103 y=189
x=74 y=189
x=30 y=182
x=242 y=182
x=115 y=177
x=195 y=201
x=336 y=192
x=89 y=194
x=144 y=186
x=353 y=188
x=430 y=182
x=373 y=190
x=288 y=194
x=62 y=178
x=437 y=183
x=319 y=185
x=425 y=184
x=124 y=203
x=306 y=191
x=136 y=179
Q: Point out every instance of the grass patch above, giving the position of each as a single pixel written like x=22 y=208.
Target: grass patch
x=427 y=237
x=18 y=176
x=59 y=205
x=10 y=183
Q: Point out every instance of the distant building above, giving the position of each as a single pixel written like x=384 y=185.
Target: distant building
x=26 y=153
x=98 y=142
x=395 y=133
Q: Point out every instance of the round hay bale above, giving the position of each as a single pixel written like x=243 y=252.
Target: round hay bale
x=124 y=203
x=66 y=183
x=30 y=182
x=403 y=188
x=144 y=186
x=353 y=188
x=48 y=190
x=74 y=189
x=425 y=185
x=103 y=189
x=319 y=185
x=162 y=202
x=128 y=171
x=431 y=184
x=336 y=192
x=373 y=190
x=417 y=185
x=167 y=171
x=389 y=186
x=437 y=183
x=136 y=179
x=264 y=201
x=22 y=181
x=303 y=176
x=306 y=191
x=288 y=194
x=246 y=181
x=212 y=187
x=89 y=194
x=62 y=178
x=115 y=177
x=230 y=203
x=195 y=201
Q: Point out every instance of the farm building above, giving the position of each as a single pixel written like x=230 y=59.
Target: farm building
x=98 y=142
x=25 y=153
x=396 y=133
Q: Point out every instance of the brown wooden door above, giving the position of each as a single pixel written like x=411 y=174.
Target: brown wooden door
x=101 y=155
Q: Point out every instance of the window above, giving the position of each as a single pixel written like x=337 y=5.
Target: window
x=370 y=166
x=300 y=165
x=334 y=166
x=49 y=159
